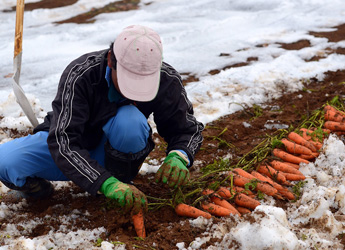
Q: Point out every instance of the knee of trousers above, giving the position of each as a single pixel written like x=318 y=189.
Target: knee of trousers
x=128 y=131
x=10 y=168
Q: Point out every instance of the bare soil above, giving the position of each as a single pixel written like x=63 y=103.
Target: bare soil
x=164 y=228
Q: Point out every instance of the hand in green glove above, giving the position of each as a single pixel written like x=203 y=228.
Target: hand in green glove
x=173 y=171
x=126 y=196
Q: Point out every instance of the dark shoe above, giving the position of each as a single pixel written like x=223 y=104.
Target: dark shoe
x=34 y=188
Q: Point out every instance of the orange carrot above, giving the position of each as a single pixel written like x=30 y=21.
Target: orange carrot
x=243 y=210
x=238 y=189
x=271 y=172
x=294 y=148
x=283 y=191
x=190 y=211
x=216 y=209
x=216 y=199
x=340 y=133
x=332 y=114
x=292 y=164
x=307 y=134
x=138 y=222
x=335 y=126
x=301 y=141
x=288 y=157
x=316 y=144
x=267 y=189
x=294 y=177
x=266 y=179
x=281 y=166
x=245 y=201
x=307 y=157
x=336 y=116
x=225 y=192
x=329 y=107
x=207 y=192
x=223 y=203
x=287 y=194
x=243 y=173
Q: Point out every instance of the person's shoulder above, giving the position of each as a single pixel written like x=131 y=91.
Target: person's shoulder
x=89 y=66
x=94 y=56
x=169 y=72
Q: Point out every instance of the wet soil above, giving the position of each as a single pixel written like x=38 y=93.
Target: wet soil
x=222 y=137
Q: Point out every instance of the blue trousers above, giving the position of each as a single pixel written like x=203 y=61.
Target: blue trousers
x=29 y=156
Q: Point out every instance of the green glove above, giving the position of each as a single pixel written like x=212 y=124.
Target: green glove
x=173 y=171
x=126 y=196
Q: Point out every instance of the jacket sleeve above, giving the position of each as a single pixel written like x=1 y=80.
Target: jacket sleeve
x=174 y=116
x=65 y=140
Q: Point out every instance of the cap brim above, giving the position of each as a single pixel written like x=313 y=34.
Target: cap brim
x=135 y=87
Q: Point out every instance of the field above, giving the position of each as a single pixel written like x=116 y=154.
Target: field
x=232 y=140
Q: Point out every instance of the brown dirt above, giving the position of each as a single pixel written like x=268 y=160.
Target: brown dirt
x=163 y=226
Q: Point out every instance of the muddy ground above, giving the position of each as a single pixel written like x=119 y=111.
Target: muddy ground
x=163 y=226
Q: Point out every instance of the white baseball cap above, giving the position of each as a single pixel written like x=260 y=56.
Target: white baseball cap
x=138 y=51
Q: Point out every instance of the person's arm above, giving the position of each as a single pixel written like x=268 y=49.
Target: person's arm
x=65 y=140
x=178 y=126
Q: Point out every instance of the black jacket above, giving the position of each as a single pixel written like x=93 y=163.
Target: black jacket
x=81 y=108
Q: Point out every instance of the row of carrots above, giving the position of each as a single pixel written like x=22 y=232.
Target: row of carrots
x=271 y=177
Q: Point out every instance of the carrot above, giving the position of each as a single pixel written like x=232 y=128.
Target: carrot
x=225 y=192
x=267 y=189
x=308 y=135
x=287 y=194
x=329 y=107
x=207 y=192
x=307 y=157
x=288 y=157
x=336 y=116
x=333 y=111
x=281 y=166
x=294 y=148
x=190 y=211
x=301 y=141
x=223 y=203
x=316 y=144
x=335 y=126
x=283 y=191
x=245 y=201
x=243 y=173
x=216 y=199
x=294 y=177
x=266 y=179
x=292 y=164
x=243 y=210
x=216 y=209
x=271 y=172
x=138 y=222
x=238 y=189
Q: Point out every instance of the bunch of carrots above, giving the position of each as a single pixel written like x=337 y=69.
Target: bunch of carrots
x=335 y=120
x=272 y=177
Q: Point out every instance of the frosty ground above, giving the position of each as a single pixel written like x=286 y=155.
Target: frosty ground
x=288 y=67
